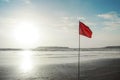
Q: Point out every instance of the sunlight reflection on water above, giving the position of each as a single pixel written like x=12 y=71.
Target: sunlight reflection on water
x=26 y=61
x=26 y=64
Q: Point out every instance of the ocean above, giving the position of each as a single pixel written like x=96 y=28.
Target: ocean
x=53 y=57
x=47 y=65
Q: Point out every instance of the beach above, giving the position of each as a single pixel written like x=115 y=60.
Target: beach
x=108 y=69
x=45 y=39
x=14 y=67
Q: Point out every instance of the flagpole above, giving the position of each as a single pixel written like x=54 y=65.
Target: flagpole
x=79 y=55
x=85 y=31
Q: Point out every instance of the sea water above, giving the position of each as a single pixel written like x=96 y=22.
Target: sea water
x=35 y=65
x=52 y=57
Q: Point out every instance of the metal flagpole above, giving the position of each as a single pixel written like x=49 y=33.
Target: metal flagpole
x=79 y=55
x=89 y=35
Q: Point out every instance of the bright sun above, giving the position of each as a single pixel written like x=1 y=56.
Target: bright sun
x=26 y=33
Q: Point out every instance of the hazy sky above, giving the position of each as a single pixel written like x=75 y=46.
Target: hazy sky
x=33 y=23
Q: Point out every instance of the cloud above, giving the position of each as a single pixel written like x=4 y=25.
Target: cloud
x=27 y=1
x=6 y=0
x=111 y=20
x=75 y=20
x=69 y=23
x=110 y=15
x=6 y=22
x=24 y=1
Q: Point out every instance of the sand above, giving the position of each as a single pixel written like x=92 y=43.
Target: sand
x=107 y=69
x=102 y=69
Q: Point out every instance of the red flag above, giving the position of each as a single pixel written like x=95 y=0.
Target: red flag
x=84 y=30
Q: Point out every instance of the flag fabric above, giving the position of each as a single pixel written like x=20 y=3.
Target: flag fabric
x=84 y=30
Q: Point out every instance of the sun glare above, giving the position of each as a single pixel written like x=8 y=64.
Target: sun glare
x=26 y=62
x=26 y=33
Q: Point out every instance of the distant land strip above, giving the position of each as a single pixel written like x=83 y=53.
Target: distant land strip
x=59 y=48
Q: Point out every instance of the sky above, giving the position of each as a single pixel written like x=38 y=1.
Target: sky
x=34 y=23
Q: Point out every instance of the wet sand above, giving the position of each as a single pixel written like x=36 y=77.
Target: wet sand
x=102 y=69
x=107 y=69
